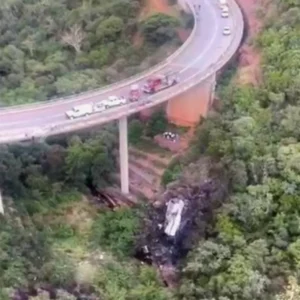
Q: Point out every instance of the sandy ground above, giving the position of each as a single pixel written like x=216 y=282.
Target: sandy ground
x=249 y=65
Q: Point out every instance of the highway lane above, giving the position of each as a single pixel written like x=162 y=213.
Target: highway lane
x=207 y=46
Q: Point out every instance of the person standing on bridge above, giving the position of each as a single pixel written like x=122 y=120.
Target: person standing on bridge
x=197 y=9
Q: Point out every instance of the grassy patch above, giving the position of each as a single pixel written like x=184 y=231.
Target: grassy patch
x=69 y=225
x=172 y=172
x=44 y=205
x=159 y=164
x=75 y=247
x=150 y=146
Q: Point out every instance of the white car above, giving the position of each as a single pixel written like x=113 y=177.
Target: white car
x=99 y=107
x=225 y=12
x=114 y=101
x=226 y=31
x=80 y=111
x=222 y=3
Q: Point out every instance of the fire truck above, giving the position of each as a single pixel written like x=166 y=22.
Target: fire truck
x=135 y=93
x=160 y=82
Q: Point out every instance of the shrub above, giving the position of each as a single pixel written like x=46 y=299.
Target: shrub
x=157 y=124
x=135 y=131
x=172 y=172
x=116 y=230
x=160 y=28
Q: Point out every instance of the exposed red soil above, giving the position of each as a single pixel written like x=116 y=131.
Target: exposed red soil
x=150 y=156
x=144 y=174
x=249 y=65
x=177 y=146
x=156 y=6
x=138 y=40
x=151 y=7
x=146 y=169
x=183 y=34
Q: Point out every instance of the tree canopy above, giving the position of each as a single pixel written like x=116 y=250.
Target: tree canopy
x=60 y=47
x=252 y=250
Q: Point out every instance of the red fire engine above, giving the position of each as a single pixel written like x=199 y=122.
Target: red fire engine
x=160 y=82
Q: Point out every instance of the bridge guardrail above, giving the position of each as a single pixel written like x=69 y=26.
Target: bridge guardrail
x=194 y=80
x=119 y=84
x=152 y=100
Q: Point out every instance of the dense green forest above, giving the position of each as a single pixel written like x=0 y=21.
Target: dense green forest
x=61 y=47
x=56 y=243
x=253 y=248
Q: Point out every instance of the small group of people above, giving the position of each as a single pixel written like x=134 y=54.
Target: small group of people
x=197 y=9
x=170 y=136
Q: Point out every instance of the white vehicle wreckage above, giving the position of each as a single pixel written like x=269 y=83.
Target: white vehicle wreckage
x=173 y=216
x=177 y=222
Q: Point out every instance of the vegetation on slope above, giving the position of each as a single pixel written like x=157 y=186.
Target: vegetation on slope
x=61 y=47
x=54 y=254
x=39 y=171
x=251 y=250
x=53 y=241
x=253 y=246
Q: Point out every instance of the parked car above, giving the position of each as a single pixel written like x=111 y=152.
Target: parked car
x=226 y=31
x=114 y=101
x=225 y=12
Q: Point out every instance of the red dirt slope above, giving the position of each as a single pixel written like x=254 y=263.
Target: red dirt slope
x=249 y=65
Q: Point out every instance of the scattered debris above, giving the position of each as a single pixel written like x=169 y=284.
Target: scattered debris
x=112 y=198
x=173 y=228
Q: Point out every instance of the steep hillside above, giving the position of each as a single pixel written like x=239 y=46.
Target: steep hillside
x=55 y=48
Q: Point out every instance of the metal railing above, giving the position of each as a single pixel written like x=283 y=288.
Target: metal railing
x=151 y=101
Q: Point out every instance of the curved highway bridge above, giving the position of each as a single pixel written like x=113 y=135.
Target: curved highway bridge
x=205 y=52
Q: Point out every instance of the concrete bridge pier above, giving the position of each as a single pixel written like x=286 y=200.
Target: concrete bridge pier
x=187 y=108
x=123 y=144
x=1 y=204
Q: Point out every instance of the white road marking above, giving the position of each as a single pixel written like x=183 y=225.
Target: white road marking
x=107 y=116
x=53 y=104
x=211 y=40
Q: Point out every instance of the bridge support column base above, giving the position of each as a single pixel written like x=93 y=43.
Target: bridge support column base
x=187 y=108
x=1 y=204
x=123 y=142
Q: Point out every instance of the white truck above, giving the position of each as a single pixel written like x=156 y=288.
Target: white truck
x=112 y=101
x=84 y=110
x=80 y=111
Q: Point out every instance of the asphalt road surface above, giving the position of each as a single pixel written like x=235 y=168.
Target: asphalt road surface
x=208 y=45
